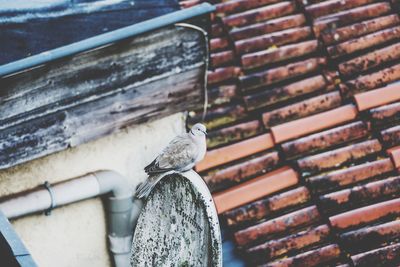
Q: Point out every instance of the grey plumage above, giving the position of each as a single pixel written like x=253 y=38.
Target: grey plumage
x=181 y=154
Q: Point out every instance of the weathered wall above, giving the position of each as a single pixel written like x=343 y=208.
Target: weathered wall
x=75 y=235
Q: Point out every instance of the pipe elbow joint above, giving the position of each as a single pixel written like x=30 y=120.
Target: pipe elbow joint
x=113 y=182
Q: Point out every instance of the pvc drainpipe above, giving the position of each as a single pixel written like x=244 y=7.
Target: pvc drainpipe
x=121 y=208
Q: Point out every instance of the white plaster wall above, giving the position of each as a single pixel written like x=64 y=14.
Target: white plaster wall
x=75 y=235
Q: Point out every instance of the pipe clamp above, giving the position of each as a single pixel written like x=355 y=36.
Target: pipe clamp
x=52 y=198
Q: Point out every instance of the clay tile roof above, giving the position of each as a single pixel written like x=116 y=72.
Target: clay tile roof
x=312 y=85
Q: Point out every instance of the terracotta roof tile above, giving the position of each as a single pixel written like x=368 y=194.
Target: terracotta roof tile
x=227 y=176
x=235 y=151
x=362 y=194
x=361 y=28
x=338 y=157
x=233 y=133
x=314 y=123
x=336 y=20
x=371 y=81
x=283 y=224
x=386 y=113
x=273 y=54
x=259 y=14
x=223 y=58
x=378 y=97
x=395 y=155
x=278 y=38
x=386 y=256
x=391 y=136
x=370 y=60
x=254 y=189
x=235 y=6
x=294 y=242
x=218 y=44
x=340 y=178
x=302 y=109
x=223 y=74
x=364 y=215
x=273 y=75
x=216 y=30
x=219 y=116
x=310 y=258
x=269 y=26
x=263 y=208
x=354 y=45
x=280 y=94
x=328 y=7
x=325 y=139
x=269 y=61
x=222 y=94
x=371 y=236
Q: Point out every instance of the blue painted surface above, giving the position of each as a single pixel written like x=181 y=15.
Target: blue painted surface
x=13 y=252
x=104 y=39
x=31 y=27
x=230 y=258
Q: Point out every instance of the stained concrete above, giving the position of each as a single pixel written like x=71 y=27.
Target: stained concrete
x=75 y=235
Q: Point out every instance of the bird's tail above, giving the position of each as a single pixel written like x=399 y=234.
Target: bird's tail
x=144 y=189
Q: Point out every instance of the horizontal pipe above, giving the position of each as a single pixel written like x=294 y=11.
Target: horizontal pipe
x=37 y=200
x=122 y=212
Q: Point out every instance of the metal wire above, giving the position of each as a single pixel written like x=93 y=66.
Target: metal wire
x=191 y=26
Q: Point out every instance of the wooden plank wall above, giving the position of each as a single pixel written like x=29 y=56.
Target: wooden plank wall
x=83 y=97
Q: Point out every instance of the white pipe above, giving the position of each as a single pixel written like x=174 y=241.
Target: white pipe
x=122 y=211
x=26 y=204
x=40 y=199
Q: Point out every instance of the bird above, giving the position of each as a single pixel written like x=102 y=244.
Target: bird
x=180 y=155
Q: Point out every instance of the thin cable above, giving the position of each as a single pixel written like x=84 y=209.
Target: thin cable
x=191 y=26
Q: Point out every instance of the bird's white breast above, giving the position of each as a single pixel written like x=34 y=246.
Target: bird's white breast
x=202 y=148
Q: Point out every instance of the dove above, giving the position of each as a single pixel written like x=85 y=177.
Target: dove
x=180 y=155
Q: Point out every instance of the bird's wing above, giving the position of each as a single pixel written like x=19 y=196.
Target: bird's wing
x=179 y=153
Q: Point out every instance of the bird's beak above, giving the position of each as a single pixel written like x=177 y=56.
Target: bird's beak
x=205 y=132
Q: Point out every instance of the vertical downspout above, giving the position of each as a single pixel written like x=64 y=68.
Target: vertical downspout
x=122 y=210
x=122 y=214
